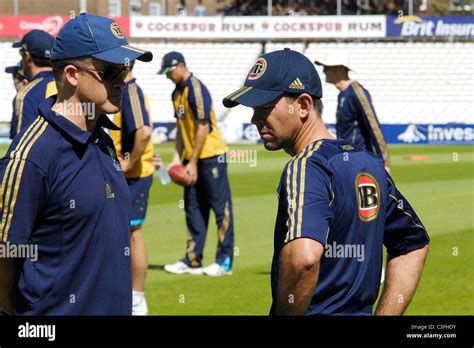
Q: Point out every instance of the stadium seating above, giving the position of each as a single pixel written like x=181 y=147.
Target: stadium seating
x=409 y=82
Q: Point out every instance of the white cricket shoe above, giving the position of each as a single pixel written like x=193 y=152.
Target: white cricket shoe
x=139 y=306
x=216 y=270
x=182 y=268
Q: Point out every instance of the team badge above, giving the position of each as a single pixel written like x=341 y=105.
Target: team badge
x=115 y=29
x=258 y=69
x=112 y=154
x=368 y=196
x=215 y=172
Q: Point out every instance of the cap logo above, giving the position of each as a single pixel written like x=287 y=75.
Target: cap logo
x=258 y=69
x=174 y=62
x=115 y=29
x=296 y=84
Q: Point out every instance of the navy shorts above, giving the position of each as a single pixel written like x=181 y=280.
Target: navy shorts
x=139 y=191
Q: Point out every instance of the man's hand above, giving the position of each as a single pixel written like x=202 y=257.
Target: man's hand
x=297 y=276
x=157 y=162
x=192 y=172
x=125 y=165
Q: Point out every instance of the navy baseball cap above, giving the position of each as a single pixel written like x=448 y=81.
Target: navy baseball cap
x=276 y=73
x=98 y=37
x=17 y=70
x=37 y=42
x=171 y=59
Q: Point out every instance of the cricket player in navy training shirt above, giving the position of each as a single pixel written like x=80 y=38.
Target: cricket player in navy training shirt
x=35 y=50
x=356 y=120
x=337 y=204
x=63 y=190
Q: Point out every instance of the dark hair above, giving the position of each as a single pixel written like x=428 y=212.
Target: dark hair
x=317 y=102
x=41 y=62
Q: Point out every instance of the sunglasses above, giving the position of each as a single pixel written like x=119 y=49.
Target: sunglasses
x=110 y=74
x=169 y=70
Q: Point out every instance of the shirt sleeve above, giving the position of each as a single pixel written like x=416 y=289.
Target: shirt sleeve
x=199 y=100
x=404 y=231
x=370 y=122
x=308 y=195
x=134 y=110
x=28 y=112
x=23 y=194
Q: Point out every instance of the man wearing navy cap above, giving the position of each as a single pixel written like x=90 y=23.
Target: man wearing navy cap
x=63 y=190
x=20 y=77
x=35 y=50
x=337 y=204
x=199 y=139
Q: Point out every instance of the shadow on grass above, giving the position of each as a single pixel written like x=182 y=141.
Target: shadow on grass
x=156 y=267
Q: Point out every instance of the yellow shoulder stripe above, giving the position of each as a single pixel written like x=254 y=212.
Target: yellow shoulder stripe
x=297 y=208
x=136 y=106
x=20 y=101
x=11 y=181
x=51 y=89
x=198 y=97
x=372 y=121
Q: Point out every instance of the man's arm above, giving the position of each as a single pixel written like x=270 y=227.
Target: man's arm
x=402 y=277
x=202 y=130
x=142 y=137
x=7 y=279
x=297 y=276
x=178 y=148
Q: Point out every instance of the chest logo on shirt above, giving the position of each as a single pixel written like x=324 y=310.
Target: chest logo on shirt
x=108 y=192
x=368 y=196
x=112 y=154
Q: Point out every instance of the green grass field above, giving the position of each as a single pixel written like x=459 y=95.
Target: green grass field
x=441 y=190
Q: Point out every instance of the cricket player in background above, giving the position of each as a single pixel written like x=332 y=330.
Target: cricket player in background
x=35 y=50
x=201 y=142
x=356 y=120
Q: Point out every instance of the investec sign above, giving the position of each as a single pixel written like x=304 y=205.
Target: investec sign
x=257 y=27
x=441 y=26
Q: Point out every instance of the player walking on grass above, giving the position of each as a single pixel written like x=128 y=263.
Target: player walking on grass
x=356 y=120
x=200 y=140
x=62 y=187
x=334 y=199
x=135 y=152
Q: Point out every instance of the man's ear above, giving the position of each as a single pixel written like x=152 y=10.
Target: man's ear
x=305 y=103
x=70 y=75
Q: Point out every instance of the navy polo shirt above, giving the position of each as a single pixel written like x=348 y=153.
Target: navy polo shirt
x=63 y=191
x=342 y=197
